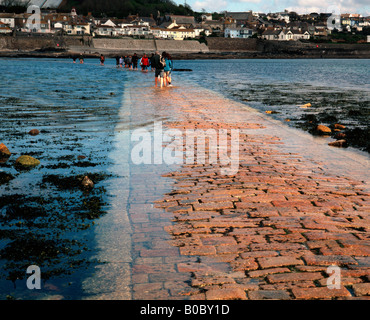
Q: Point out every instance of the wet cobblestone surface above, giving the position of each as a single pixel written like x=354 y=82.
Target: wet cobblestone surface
x=270 y=231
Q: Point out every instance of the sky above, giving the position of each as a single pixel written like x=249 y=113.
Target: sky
x=266 y=6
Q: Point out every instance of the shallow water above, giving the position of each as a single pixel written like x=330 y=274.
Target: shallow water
x=46 y=218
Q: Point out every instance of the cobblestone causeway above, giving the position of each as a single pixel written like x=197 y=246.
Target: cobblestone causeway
x=270 y=231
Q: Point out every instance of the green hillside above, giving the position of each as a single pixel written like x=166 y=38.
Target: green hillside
x=123 y=8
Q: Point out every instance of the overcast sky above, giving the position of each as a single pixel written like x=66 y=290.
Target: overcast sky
x=300 y=6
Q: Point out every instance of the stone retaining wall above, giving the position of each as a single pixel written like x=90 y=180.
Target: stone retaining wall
x=26 y=43
x=124 y=44
x=181 y=46
x=150 y=45
x=228 y=44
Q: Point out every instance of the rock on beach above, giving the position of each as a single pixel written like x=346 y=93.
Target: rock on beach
x=4 y=151
x=34 y=132
x=27 y=161
x=340 y=136
x=338 y=143
x=323 y=129
x=87 y=182
x=339 y=126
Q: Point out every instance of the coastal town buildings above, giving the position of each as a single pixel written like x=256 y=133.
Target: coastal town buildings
x=278 y=26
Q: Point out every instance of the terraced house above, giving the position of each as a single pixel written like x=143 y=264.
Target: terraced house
x=176 y=33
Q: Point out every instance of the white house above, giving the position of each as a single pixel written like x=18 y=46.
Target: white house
x=105 y=30
x=4 y=28
x=79 y=28
x=135 y=30
x=175 y=33
x=271 y=34
x=238 y=32
x=8 y=18
x=285 y=35
x=109 y=23
x=283 y=16
x=296 y=35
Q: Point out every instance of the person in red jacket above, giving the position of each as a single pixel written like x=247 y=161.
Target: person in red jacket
x=102 y=59
x=144 y=63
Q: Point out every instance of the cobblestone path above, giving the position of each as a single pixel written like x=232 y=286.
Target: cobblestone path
x=270 y=231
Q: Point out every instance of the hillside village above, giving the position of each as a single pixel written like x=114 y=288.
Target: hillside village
x=281 y=26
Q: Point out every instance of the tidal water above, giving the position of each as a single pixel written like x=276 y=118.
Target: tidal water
x=46 y=218
x=82 y=113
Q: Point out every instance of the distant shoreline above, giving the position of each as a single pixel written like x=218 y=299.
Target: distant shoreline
x=187 y=56
x=213 y=48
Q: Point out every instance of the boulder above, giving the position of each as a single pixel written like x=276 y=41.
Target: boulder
x=339 y=126
x=4 y=151
x=338 y=143
x=87 y=183
x=340 y=136
x=34 y=132
x=27 y=161
x=323 y=129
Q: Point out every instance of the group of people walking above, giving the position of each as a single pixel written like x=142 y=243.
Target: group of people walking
x=161 y=64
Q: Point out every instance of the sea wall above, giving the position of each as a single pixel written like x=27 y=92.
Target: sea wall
x=216 y=48
x=149 y=45
x=26 y=43
x=181 y=46
x=287 y=48
x=307 y=49
x=235 y=45
x=124 y=44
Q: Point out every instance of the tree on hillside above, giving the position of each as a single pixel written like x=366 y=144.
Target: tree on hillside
x=123 y=8
x=14 y=6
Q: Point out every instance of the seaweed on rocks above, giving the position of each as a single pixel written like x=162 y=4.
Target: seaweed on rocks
x=5 y=177
x=358 y=138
